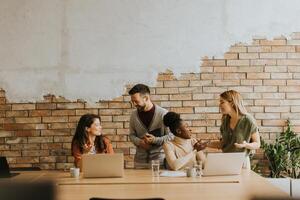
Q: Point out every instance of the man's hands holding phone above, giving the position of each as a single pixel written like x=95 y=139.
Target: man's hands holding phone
x=146 y=141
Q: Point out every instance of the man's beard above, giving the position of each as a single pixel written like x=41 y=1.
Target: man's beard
x=141 y=108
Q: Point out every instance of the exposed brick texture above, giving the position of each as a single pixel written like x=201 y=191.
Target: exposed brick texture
x=266 y=73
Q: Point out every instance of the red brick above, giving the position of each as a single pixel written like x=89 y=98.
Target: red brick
x=273 y=42
x=15 y=140
x=211 y=76
x=35 y=153
x=110 y=112
x=293 y=82
x=231 y=56
x=20 y=113
x=231 y=76
x=111 y=131
x=200 y=83
x=207 y=110
x=11 y=153
x=43 y=139
x=258 y=75
x=25 y=146
x=265 y=89
x=62 y=138
x=193 y=103
x=112 y=124
x=295 y=109
x=272 y=55
x=55 y=119
x=164 y=77
x=203 y=123
x=292 y=95
x=267 y=116
x=176 y=83
x=4 y=147
x=123 y=131
x=28 y=120
x=250 y=69
x=23 y=133
x=214 y=89
x=238 y=63
x=277 y=109
x=226 y=82
x=51 y=146
x=119 y=105
x=63 y=112
x=251 y=82
x=248 y=55
x=267 y=102
x=2 y=100
x=237 y=49
x=5 y=107
x=28 y=160
x=106 y=118
x=273 y=96
x=189 y=90
x=288 y=62
x=293 y=42
x=274 y=82
x=121 y=118
x=48 y=159
x=283 y=49
x=87 y=111
x=274 y=123
x=55 y=132
x=45 y=106
x=189 y=76
x=290 y=102
x=290 y=116
x=41 y=113
x=181 y=97
x=289 y=88
x=259 y=49
x=253 y=109
x=182 y=110
x=263 y=62
x=23 y=106
x=167 y=91
x=96 y=105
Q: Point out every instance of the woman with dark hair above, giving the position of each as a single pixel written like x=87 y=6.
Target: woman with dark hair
x=184 y=150
x=88 y=138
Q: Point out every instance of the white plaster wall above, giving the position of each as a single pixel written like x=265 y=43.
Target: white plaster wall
x=90 y=49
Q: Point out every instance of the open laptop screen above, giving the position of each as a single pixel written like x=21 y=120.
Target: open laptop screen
x=4 y=168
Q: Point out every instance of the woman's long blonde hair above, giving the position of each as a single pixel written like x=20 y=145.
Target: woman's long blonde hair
x=236 y=101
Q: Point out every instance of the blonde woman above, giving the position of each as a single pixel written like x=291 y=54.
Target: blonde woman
x=239 y=130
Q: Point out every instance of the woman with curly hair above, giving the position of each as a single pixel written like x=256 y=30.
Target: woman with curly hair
x=183 y=151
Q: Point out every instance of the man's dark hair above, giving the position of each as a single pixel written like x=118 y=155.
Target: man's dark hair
x=139 y=88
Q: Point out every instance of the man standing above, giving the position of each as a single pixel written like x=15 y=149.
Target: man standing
x=147 y=131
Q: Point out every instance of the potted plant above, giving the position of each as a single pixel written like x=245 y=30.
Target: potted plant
x=284 y=160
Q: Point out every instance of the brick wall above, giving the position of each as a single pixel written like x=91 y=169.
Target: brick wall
x=266 y=73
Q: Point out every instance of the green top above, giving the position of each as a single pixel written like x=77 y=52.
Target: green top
x=242 y=132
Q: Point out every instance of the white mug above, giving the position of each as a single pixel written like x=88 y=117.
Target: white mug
x=74 y=172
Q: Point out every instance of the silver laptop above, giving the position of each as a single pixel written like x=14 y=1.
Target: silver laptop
x=224 y=163
x=102 y=165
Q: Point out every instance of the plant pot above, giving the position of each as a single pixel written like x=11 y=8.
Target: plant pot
x=295 y=188
x=281 y=183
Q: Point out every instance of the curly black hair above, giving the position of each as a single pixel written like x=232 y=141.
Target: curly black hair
x=172 y=120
